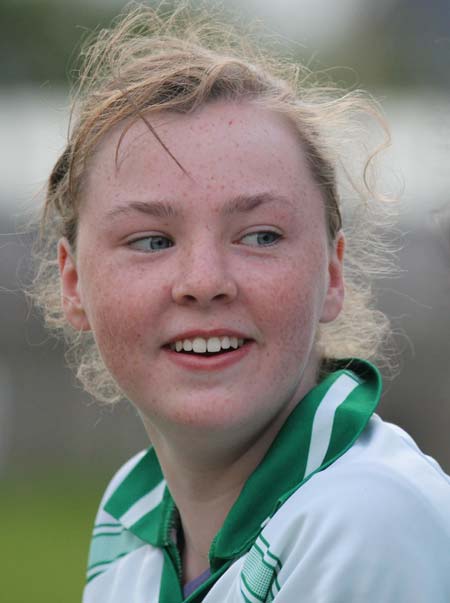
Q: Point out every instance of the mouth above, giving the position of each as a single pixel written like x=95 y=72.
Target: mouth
x=204 y=347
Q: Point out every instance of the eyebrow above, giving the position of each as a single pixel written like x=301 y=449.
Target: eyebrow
x=166 y=209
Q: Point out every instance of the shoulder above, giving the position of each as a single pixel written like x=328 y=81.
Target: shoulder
x=375 y=478
x=115 y=553
x=375 y=525
x=381 y=487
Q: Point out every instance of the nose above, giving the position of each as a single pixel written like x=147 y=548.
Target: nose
x=204 y=278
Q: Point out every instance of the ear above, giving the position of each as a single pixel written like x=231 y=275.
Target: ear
x=70 y=288
x=334 y=298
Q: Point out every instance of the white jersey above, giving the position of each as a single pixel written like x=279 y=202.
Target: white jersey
x=344 y=508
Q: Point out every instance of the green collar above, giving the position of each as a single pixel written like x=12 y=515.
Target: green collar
x=322 y=427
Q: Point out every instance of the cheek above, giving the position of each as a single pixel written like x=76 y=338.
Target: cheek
x=295 y=327
x=117 y=310
x=115 y=335
x=290 y=302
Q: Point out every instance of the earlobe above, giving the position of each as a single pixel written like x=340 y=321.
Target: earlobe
x=71 y=301
x=335 y=294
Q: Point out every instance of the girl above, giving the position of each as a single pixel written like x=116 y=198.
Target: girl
x=196 y=220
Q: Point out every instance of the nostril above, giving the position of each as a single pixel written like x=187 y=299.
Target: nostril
x=221 y=296
x=204 y=288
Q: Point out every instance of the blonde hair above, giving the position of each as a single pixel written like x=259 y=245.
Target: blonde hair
x=150 y=62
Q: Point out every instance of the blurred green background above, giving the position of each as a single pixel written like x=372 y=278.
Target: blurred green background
x=46 y=522
x=58 y=449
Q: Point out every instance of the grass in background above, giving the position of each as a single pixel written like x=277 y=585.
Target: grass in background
x=45 y=532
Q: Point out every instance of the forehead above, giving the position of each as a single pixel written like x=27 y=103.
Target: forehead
x=224 y=148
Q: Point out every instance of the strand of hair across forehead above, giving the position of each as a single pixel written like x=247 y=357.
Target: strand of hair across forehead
x=152 y=130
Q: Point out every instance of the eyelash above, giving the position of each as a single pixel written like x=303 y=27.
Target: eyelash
x=258 y=233
x=142 y=240
x=141 y=243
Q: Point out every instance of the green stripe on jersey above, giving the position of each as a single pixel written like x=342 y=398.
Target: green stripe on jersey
x=259 y=571
x=170 y=590
x=142 y=479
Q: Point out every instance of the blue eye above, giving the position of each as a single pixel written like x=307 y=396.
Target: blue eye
x=151 y=243
x=262 y=238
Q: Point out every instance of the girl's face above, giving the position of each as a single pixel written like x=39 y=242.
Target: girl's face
x=232 y=252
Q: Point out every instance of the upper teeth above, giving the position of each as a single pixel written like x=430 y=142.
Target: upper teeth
x=199 y=345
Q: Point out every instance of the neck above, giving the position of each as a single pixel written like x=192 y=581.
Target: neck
x=205 y=486
x=205 y=474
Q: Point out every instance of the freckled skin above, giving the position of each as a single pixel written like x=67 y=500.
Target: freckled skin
x=210 y=278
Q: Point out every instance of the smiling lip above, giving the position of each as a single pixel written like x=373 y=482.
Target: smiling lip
x=192 y=334
x=199 y=362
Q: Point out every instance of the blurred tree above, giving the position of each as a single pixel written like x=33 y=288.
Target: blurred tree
x=395 y=44
x=392 y=43
x=38 y=37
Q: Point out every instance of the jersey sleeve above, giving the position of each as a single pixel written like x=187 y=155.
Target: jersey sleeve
x=369 y=536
